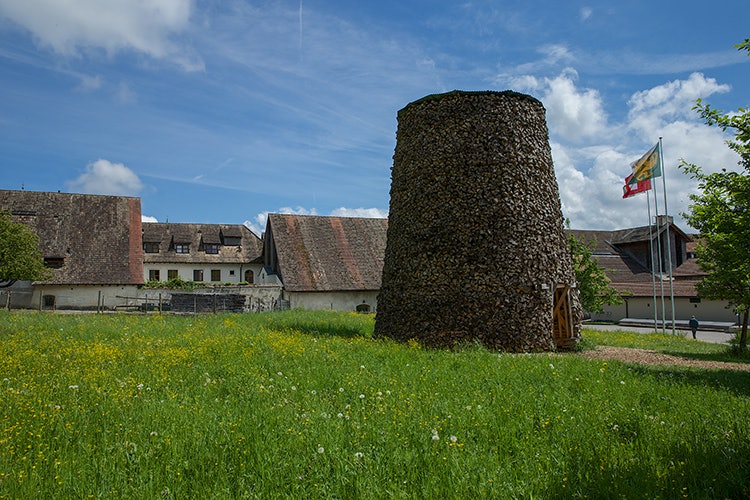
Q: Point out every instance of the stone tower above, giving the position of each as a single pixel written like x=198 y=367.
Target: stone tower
x=476 y=249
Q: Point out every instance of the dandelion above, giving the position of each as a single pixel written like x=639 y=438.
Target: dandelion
x=358 y=455
x=294 y=387
x=361 y=396
x=73 y=387
x=551 y=366
x=341 y=389
x=435 y=436
x=321 y=450
x=622 y=382
x=453 y=439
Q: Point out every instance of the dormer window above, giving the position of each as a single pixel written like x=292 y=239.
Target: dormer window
x=54 y=262
x=211 y=248
x=182 y=247
x=149 y=247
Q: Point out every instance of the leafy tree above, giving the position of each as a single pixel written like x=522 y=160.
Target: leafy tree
x=20 y=257
x=593 y=284
x=721 y=214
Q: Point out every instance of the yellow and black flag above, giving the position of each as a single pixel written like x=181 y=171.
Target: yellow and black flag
x=647 y=167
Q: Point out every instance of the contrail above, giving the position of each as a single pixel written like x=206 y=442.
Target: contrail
x=300 y=29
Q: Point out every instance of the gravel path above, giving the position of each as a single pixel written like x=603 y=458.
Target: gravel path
x=645 y=356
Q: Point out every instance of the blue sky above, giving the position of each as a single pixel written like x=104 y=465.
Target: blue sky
x=220 y=111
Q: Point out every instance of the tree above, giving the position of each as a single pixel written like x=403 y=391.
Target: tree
x=721 y=214
x=594 y=286
x=20 y=257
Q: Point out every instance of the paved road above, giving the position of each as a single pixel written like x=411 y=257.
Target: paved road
x=705 y=336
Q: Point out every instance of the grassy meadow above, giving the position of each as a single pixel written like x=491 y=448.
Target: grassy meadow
x=307 y=405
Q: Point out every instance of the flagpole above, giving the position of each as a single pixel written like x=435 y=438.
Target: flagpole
x=651 y=255
x=669 y=240
x=661 y=271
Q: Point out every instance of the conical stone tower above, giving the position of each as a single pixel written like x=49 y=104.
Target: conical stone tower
x=476 y=247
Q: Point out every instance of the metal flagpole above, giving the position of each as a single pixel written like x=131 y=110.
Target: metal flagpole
x=669 y=244
x=651 y=258
x=658 y=251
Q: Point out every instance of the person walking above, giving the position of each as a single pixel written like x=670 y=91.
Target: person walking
x=693 y=325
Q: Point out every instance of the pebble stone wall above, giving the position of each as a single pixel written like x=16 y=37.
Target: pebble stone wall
x=475 y=243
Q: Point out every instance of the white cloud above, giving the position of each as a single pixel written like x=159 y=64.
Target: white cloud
x=367 y=213
x=573 y=113
x=89 y=83
x=590 y=174
x=69 y=27
x=585 y=13
x=148 y=218
x=655 y=107
x=105 y=177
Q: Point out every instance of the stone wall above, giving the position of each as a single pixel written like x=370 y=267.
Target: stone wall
x=475 y=243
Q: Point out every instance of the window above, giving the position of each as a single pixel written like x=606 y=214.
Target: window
x=234 y=241
x=212 y=248
x=182 y=248
x=172 y=274
x=215 y=274
x=249 y=276
x=363 y=308
x=149 y=247
x=54 y=262
x=153 y=275
x=231 y=272
x=198 y=275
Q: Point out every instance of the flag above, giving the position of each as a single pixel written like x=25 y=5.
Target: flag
x=647 y=167
x=629 y=190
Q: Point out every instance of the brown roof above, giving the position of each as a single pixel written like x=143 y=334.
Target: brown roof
x=613 y=252
x=97 y=238
x=197 y=236
x=313 y=253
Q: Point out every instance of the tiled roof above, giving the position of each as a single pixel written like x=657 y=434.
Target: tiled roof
x=197 y=236
x=97 y=237
x=316 y=253
x=628 y=275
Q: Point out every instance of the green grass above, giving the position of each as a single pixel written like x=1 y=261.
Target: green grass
x=308 y=405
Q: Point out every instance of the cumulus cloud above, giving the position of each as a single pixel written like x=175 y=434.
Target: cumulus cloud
x=591 y=173
x=672 y=101
x=105 y=177
x=573 y=113
x=148 y=218
x=367 y=213
x=70 y=27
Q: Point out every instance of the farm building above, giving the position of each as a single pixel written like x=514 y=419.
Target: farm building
x=326 y=262
x=92 y=243
x=627 y=256
x=210 y=253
